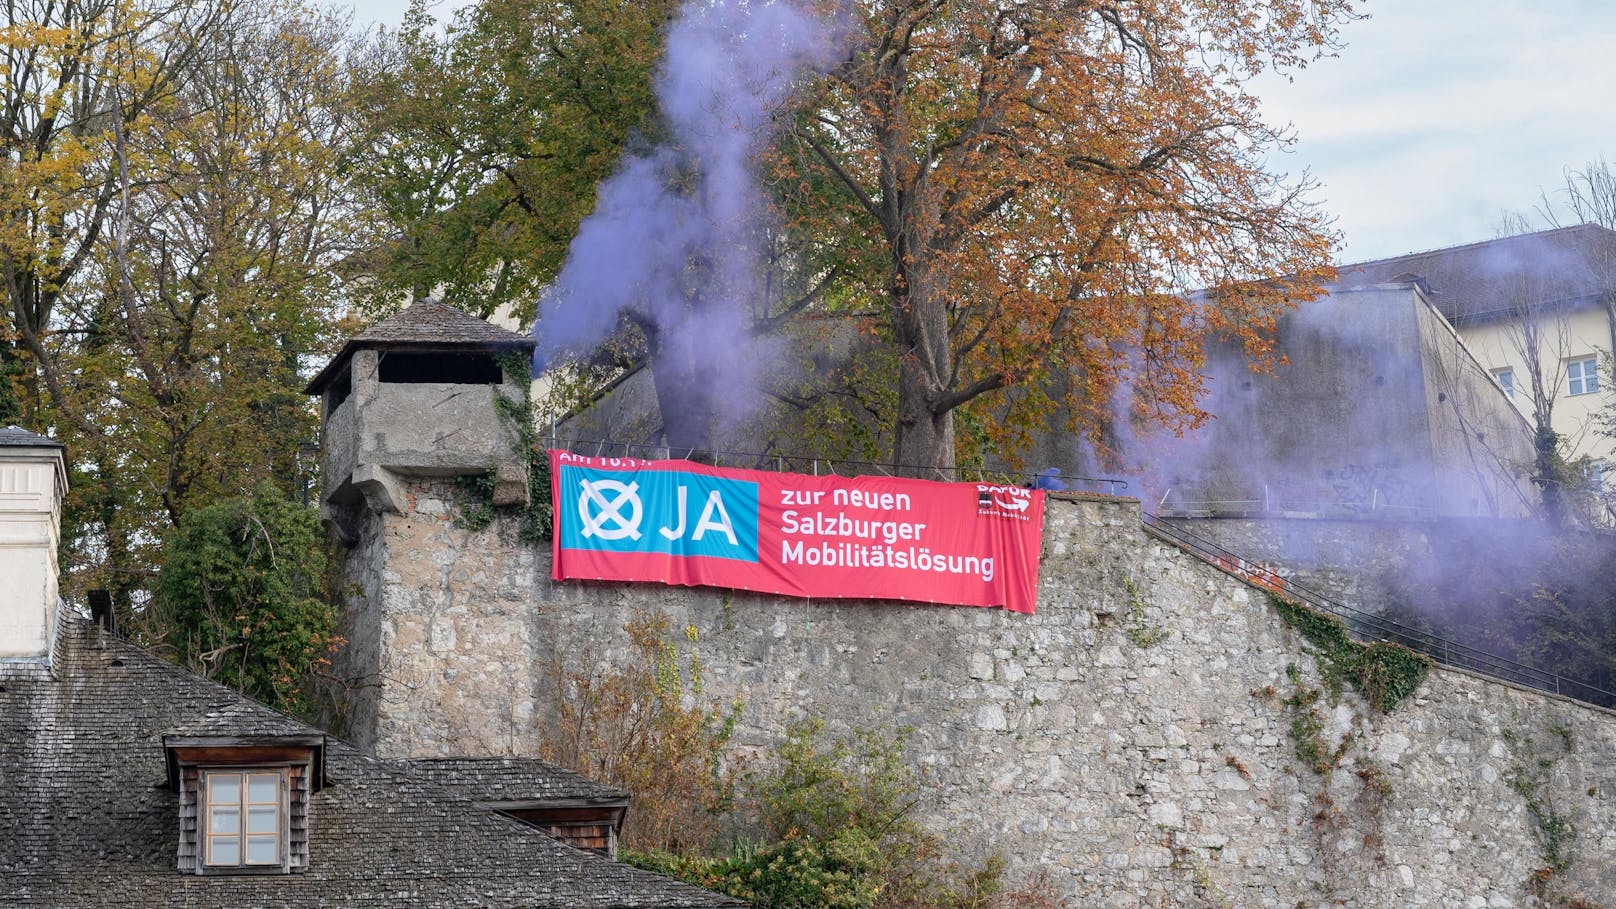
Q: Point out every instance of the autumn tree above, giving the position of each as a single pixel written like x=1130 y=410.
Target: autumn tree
x=219 y=277
x=1042 y=183
x=172 y=255
x=485 y=141
x=642 y=724
x=74 y=72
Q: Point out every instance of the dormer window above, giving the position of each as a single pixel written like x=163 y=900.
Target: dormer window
x=244 y=818
x=244 y=800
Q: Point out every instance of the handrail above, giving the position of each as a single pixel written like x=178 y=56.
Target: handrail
x=1371 y=627
x=781 y=462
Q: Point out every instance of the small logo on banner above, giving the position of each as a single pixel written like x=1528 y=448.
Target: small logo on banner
x=1003 y=501
x=677 y=514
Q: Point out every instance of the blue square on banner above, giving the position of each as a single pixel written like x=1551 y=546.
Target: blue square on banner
x=658 y=511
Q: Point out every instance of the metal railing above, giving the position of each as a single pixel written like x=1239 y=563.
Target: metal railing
x=788 y=463
x=1368 y=626
x=1270 y=504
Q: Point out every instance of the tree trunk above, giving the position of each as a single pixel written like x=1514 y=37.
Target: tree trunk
x=686 y=391
x=924 y=443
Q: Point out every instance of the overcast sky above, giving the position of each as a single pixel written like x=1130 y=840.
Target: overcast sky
x=1436 y=118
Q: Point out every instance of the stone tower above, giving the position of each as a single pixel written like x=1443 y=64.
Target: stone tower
x=435 y=612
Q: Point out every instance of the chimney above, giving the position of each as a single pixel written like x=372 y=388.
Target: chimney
x=33 y=480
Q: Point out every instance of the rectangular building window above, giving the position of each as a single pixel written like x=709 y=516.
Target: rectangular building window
x=1597 y=475
x=1506 y=380
x=1583 y=375
x=244 y=818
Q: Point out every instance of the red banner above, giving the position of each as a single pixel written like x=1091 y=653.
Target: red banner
x=678 y=522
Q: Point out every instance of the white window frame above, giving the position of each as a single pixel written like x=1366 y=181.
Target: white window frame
x=1582 y=375
x=1505 y=377
x=211 y=815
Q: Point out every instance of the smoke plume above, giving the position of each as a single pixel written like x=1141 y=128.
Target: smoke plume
x=1383 y=467
x=673 y=244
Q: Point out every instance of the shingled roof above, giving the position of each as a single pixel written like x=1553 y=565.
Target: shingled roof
x=512 y=780
x=1493 y=279
x=16 y=437
x=87 y=816
x=424 y=325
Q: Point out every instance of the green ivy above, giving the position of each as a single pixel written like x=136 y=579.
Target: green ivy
x=518 y=414
x=1307 y=730
x=1384 y=674
x=1554 y=832
x=474 y=502
x=1140 y=632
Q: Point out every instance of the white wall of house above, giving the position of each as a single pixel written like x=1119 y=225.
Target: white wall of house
x=32 y=483
x=1568 y=344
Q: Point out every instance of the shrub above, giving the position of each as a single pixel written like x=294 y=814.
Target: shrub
x=642 y=726
x=242 y=593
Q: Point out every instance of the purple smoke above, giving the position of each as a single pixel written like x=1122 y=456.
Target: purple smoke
x=673 y=243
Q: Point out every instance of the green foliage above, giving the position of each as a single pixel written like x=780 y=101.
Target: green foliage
x=821 y=785
x=1384 y=674
x=538 y=515
x=1307 y=731
x=843 y=805
x=242 y=593
x=474 y=500
x=1569 y=486
x=840 y=872
x=538 y=518
x=1554 y=832
x=835 y=816
x=488 y=137
x=1141 y=633
x=164 y=336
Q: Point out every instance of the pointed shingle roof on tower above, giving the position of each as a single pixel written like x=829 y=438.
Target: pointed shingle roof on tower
x=424 y=325
x=429 y=321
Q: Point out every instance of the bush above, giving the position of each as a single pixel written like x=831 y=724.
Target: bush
x=819 y=785
x=839 y=872
x=242 y=593
x=643 y=727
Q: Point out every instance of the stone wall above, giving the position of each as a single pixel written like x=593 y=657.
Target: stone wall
x=439 y=624
x=1137 y=738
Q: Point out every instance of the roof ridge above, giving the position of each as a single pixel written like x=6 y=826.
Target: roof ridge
x=1477 y=244
x=15 y=435
x=427 y=310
